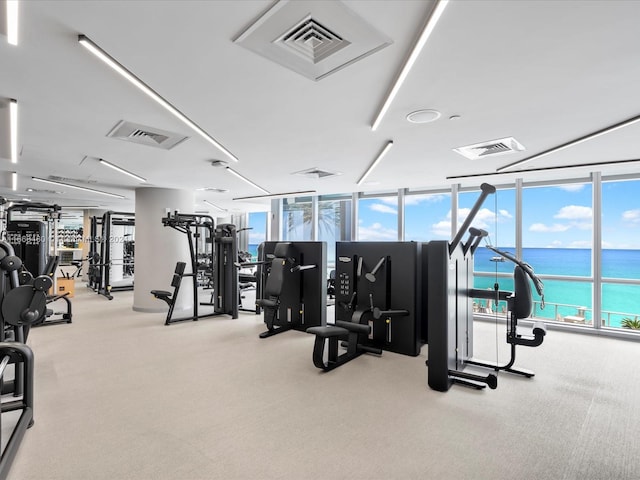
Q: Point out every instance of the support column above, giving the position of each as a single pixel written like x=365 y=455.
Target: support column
x=158 y=248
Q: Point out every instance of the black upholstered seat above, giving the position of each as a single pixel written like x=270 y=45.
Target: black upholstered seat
x=170 y=297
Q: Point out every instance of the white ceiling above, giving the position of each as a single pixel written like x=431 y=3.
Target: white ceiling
x=544 y=72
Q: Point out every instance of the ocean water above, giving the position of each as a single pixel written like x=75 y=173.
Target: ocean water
x=566 y=298
x=569 y=298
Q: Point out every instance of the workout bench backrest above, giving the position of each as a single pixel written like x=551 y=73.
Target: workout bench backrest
x=275 y=280
x=177 y=274
x=523 y=303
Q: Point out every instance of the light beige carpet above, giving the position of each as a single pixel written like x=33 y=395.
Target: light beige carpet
x=121 y=396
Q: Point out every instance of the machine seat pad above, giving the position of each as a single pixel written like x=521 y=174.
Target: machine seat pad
x=265 y=302
x=354 y=327
x=328 y=331
x=160 y=293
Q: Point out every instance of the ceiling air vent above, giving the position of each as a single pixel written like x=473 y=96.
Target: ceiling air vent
x=213 y=190
x=69 y=180
x=316 y=173
x=490 y=148
x=43 y=190
x=314 y=38
x=152 y=137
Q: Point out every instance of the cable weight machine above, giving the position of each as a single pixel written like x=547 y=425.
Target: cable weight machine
x=111 y=268
x=449 y=315
x=218 y=266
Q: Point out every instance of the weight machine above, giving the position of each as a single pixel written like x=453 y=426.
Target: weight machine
x=292 y=285
x=112 y=253
x=21 y=306
x=449 y=314
x=218 y=268
x=36 y=243
x=33 y=240
x=378 y=306
x=449 y=319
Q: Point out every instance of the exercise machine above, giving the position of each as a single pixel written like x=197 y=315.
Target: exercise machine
x=18 y=354
x=519 y=306
x=112 y=253
x=220 y=266
x=449 y=319
x=384 y=278
x=292 y=285
x=33 y=239
x=21 y=306
x=378 y=306
x=51 y=317
x=448 y=268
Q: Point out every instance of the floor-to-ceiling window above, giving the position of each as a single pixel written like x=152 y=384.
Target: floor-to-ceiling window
x=557 y=232
x=297 y=219
x=378 y=218
x=334 y=223
x=497 y=216
x=257 y=224
x=621 y=254
x=585 y=284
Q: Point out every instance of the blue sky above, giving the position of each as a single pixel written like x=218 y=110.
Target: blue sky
x=553 y=217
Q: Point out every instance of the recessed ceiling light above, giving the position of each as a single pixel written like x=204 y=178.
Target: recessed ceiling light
x=12 y=22
x=423 y=116
x=86 y=189
x=137 y=82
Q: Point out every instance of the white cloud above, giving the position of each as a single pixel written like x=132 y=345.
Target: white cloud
x=504 y=213
x=572 y=187
x=574 y=212
x=376 y=232
x=442 y=228
x=483 y=219
x=416 y=199
x=555 y=244
x=632 y=216
x=556 y=227
x=380 y=208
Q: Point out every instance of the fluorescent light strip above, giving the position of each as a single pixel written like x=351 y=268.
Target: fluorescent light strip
x=429 y=26
x=245 y=179
x=118 y=67
x=14 y=181
x=52 y=182
x=542 y=169
x=215 y=206
x=12 y=21
x=382 y=153
x=277 y=195
x=590 y=136
x=80 y=206
x=13 y=127
x=121 y=170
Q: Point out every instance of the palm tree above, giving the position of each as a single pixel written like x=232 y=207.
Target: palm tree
x=328 y=216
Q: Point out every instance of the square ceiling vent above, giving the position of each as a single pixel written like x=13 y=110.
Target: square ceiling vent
x=316 y=173
x=314 y=38
x=490 y=148
x=152 y=137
